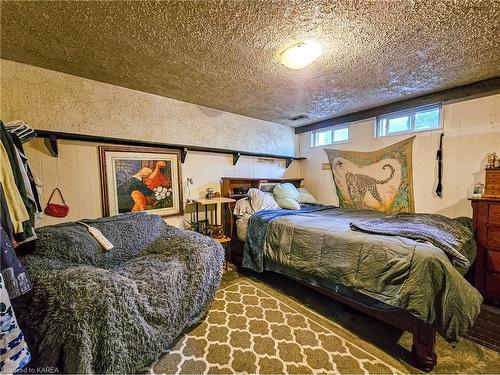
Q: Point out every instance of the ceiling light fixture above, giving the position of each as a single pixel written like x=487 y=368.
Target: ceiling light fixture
x=301 y=54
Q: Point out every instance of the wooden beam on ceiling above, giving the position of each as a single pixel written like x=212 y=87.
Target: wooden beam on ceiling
x=473 y=90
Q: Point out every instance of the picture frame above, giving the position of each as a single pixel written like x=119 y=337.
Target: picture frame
x=140 y=179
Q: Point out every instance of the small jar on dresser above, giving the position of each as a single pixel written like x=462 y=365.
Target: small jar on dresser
x=486 y=216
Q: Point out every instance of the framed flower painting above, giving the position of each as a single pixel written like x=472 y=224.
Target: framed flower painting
x=140 y=179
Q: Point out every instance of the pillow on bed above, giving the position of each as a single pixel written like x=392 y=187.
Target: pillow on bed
x=305 y=196
x=267 y=186
x=242 y=227
x=243 y=207
x=261 y=200
x=288 y=204
x=287 y=196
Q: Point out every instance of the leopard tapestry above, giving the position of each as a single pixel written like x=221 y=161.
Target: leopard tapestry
x=381 y=180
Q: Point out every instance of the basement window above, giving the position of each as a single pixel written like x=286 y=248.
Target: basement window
x=410 y=121
x=325 y=137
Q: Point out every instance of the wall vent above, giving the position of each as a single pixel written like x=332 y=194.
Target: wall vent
x=298 y=117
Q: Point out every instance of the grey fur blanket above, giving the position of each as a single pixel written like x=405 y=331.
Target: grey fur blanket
x=116 y=311
x=453 y=236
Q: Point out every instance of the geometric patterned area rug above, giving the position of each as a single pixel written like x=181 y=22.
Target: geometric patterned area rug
x=252 y=329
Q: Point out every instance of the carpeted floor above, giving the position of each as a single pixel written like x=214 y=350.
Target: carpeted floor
x=252 y=329
x=486 y=330
x=328 y=333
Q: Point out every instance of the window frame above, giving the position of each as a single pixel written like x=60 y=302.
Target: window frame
x=345 y=125
x=411 y=113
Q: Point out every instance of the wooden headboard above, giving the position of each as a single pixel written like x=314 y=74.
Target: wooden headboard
x=237 y=188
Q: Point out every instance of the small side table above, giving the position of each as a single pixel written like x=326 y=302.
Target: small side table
x=222 y=201
x=226 y=244
x=207 y=202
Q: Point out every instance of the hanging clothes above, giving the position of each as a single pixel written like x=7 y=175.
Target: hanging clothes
x=21 y=133
x=14 y=352
x=32 y=185
x=21 y=130
x=5 y=220
x=16 y=208
x=12 y=171
x=14 y=275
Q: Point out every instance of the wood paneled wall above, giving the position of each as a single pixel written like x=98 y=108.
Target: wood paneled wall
x=76 y=173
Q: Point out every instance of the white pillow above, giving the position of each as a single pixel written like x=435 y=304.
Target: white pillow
x=261 y=200
x=287 y=196
x=242 y=227
x=243 y=207
x=305 y=196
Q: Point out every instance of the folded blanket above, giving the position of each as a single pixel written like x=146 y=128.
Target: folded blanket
x=449 y=235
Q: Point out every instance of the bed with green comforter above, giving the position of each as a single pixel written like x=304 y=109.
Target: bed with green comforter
x=418 y=273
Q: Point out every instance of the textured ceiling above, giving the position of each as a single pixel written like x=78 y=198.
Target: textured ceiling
x=224 y=54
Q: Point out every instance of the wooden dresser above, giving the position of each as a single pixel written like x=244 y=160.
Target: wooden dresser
x=487 y=265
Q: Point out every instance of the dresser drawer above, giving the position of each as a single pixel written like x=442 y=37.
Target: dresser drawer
x=493 y=285
x=493 y=261
x=493 y=177
x=494 y=213
x=492 y=183
x=493 y=238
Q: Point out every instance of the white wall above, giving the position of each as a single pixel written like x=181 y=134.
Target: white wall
x=51 y=100
x=56 y=101
x=472 y=129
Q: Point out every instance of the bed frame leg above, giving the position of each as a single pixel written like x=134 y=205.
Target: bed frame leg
x=423 y=349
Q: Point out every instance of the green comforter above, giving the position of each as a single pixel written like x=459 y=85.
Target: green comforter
x=414 y=276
